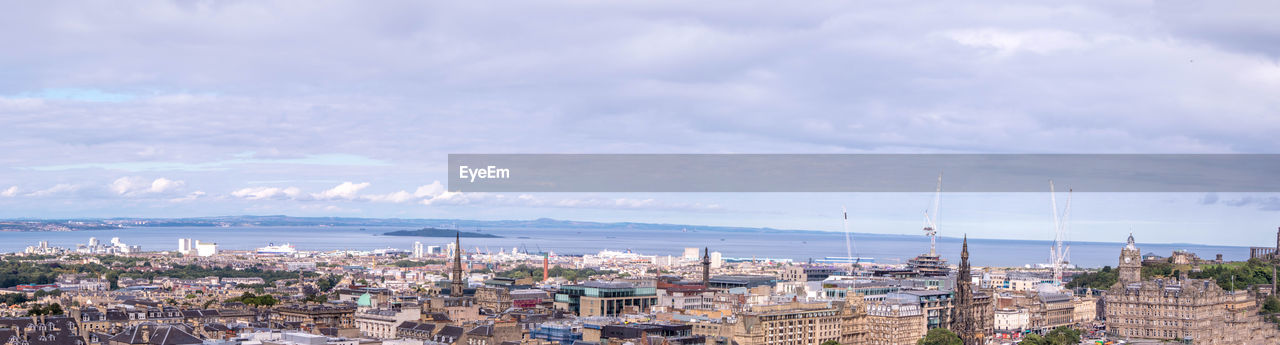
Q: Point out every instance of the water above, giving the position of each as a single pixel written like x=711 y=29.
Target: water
x=796 y=245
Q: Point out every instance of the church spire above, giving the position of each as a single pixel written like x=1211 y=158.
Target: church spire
x=455 y=288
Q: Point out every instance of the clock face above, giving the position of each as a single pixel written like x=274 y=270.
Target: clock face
x=1127 y=259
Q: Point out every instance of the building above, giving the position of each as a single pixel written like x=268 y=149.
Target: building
x=789 y=324
x=381 y=323
x=48 y=330
x=317 y=316
x=854 y=327
x=730 y=281
x=206 y=249
x=1266 y=253
x=598 y=298
x=808 y=273
x=1195 y=311
x=929 y=265
x=1011 y=320
x=1051 y=310
x=894 y=322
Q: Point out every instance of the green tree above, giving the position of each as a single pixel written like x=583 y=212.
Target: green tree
x=940 y=336
x=54 y=309
x=830 y=342
x=1034 y=339
x=1271 y=305
x=1063 y=336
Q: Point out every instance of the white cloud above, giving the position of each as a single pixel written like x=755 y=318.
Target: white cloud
x=260 y=193
x=162 y=185
x=1010 y=42
x=423 y=194
x=10 y=192
x=189 y=197
x=61 y=188
x=133 y=185
x=346 y=190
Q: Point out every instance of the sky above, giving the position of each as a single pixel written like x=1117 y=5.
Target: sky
x=349 y=108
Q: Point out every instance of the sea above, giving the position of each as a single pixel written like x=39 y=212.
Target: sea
x=763 y=244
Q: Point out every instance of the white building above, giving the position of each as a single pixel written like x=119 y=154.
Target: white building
x=417 y=250
x=1012 y=320
x=691 y=254
x=206 y=249
x=717 y=260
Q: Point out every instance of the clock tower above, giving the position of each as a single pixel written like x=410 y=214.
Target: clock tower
x=1130 y=263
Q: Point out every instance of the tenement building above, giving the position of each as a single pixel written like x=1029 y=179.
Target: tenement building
x=789 y=324
x=1195 y=311
x=894 y=322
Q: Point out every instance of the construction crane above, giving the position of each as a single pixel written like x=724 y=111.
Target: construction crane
x=931 y=221
x=848 y=244
x=1059 y=252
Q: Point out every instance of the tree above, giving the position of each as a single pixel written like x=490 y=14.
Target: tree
x=1034 y=339
x=1271 y=306
x=940 y=336
x=1063 y=336
x=54 y=309
x=830 y=342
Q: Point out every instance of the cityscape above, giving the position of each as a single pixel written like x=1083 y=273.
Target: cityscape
x=438 y=290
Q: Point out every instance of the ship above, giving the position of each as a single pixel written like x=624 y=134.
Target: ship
x=272 y=249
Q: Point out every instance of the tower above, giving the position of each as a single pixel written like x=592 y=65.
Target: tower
x=455 y=289
x=962 y=317
x=1130 y=263
x=706 y=267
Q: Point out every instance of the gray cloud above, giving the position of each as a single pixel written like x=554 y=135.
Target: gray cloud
x=1261 y=203
x=219 y=93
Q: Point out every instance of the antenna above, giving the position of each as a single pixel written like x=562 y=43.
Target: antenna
x=931 y=222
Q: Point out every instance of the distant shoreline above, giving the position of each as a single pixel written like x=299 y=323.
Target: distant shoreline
x=433 y=232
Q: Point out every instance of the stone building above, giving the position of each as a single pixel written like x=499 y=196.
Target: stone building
x=853 y=320
x=317 y=316
x=379 y=323
x=1195 y=311
x=894 y=322
x=1051 y=310
x=789 y=324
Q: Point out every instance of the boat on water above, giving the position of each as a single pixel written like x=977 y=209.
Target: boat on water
x=272 y=249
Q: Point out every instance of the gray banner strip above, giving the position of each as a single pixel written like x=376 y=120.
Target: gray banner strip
x=863 y=172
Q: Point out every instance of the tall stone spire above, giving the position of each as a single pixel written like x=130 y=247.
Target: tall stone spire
x=963 y=321
x=706 y=267
x=455 y=289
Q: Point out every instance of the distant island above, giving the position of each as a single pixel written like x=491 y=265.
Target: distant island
x=433 y=232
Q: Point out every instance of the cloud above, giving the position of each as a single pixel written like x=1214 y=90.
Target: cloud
x=1006 y=42
x=261 y=193
x=1209 y=199
x=1261 y=203
x=132 y=185
x=10 y=192
x=346 y=190
x=58 y=189
x=189 y=197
